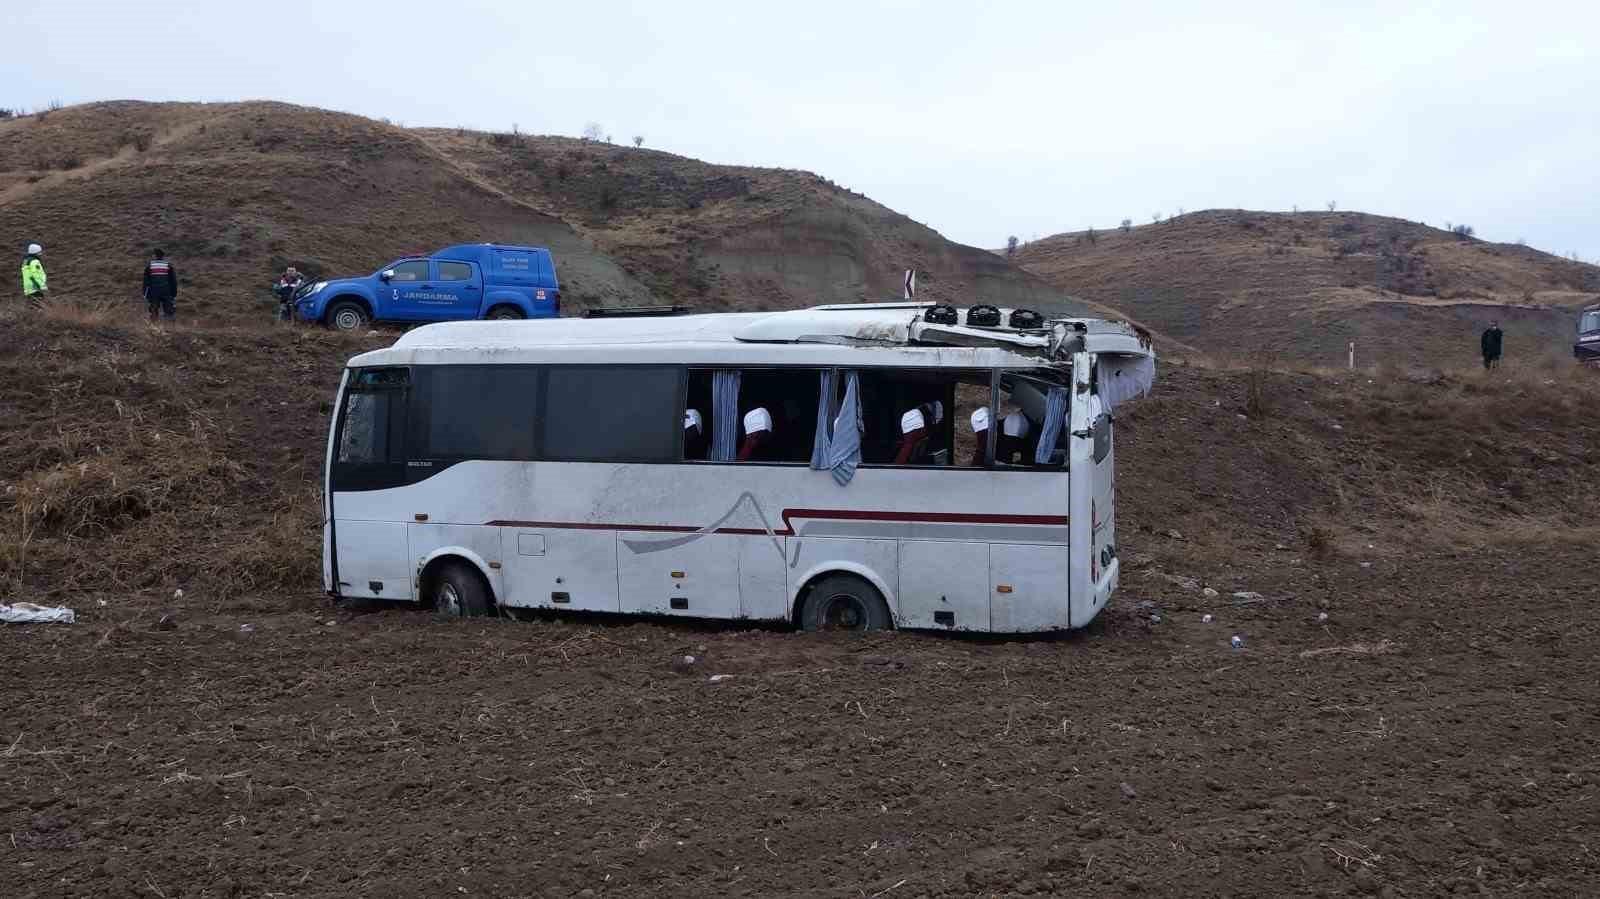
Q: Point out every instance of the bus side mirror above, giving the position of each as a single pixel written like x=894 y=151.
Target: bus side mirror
x=386 y=274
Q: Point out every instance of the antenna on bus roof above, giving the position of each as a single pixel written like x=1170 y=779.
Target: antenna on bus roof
x=634 y=311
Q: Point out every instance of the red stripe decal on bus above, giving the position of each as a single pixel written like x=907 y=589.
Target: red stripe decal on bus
x=788 y=529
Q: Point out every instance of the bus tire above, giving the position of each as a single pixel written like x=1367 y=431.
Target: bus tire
x=347 y=316
x=844 y=602
x=505 y=314
x=459 y=591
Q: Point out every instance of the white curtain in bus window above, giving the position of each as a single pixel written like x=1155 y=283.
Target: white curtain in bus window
x=725 y=416
x=479 y=412
x=626 y=413
x=844 y=447
x=1055 y=416
x=824 y=435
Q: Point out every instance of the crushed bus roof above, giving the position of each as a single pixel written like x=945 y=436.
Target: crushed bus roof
x=819 y=335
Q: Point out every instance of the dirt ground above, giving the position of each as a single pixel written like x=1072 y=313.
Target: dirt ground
x=1436 y=734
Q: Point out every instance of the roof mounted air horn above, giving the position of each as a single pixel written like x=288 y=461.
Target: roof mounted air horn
x=1026 y=320
x=983 y=316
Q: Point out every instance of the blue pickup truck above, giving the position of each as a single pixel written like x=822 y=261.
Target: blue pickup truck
x=468 y=281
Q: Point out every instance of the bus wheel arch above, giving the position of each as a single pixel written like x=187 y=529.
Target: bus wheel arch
x=842 y=597
x=456 y=583
x=338 y=314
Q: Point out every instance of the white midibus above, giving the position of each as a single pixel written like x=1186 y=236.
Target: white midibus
x=858 y=467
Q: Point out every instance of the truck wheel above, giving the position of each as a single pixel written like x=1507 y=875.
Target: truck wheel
x=844 y=602
x=459 y=591
x=347 y=315
x=505 y=313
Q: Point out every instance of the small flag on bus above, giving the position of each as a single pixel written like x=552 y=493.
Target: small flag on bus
x=911 y=283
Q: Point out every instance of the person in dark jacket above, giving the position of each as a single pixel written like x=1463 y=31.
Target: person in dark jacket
x=285 y=289
x=161 y=287
x=1490 y=343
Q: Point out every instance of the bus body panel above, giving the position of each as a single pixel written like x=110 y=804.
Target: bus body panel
x=700 y=578
x=944 y=584
x=1030 y=586
x=610 y=536
x=1095 y=569
x=574 y=568
x=374 y=562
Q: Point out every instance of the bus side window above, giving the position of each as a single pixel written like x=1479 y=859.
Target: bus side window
x=1023 y=420
x=911 y=417
x=789 y=397
x=699 y=416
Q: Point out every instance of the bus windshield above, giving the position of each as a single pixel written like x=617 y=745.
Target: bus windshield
x=1589 y=321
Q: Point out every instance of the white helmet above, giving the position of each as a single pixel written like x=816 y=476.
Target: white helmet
x=34 y=249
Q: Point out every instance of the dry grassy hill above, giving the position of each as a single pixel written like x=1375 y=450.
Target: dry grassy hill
x=236 y=191
x=732 y=236
x=1301 y=285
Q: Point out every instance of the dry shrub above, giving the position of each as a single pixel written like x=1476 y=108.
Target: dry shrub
x=92 y=313
x=1259 y=396
x=157 y=484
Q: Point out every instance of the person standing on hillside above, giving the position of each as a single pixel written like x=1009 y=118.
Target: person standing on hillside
x=161 y=287
x=34 y=288
x=285 y=288
x=1490 y=343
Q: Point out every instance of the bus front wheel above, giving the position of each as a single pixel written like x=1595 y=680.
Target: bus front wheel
x=459 y=592
x=843 y=602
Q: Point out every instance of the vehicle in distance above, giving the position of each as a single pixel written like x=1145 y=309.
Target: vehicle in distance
x=463 y=282
x=850 y=467
x=1587 y=346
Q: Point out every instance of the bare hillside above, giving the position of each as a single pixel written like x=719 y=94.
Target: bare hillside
x=236 y=191
x=1302 y=285
x=733 y=236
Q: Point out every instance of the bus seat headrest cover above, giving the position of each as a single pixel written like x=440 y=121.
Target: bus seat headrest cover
x=1016 y=425
x=912 y=421
x=692 y=419
x=980 y=419
x=757 y=419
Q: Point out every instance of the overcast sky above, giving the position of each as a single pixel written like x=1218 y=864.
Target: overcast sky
x=981 y=120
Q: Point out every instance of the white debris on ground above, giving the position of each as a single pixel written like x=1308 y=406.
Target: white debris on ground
x=28 y=613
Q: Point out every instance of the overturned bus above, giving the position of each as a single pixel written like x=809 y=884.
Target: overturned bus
x=840 y=467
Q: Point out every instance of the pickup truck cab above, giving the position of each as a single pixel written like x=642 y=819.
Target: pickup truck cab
x=467 y=281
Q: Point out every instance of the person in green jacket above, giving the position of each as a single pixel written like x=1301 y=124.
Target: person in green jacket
x=33 y=280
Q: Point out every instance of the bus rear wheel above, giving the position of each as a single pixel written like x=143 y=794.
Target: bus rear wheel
x=842 y=602
x=459 y=592
x=505 y=313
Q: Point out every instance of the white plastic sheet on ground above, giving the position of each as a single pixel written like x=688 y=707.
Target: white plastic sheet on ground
x=28 y=613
